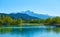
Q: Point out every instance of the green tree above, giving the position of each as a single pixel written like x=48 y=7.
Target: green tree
x=8 y=20
x=19 y=21
x=48 y=21
x=56 y=20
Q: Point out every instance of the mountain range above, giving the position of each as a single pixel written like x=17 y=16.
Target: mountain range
x=27 y=15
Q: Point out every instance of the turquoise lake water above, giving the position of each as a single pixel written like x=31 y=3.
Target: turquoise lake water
x=33 y=32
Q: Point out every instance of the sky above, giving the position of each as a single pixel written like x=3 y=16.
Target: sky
x=50 y=7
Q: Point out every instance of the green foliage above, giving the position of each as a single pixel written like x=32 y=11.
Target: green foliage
x=6 y=20
x=57 y=20
x=35 y=21
x=19 y=21
x=48 y=21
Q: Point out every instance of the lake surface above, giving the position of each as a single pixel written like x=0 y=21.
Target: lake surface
x=33 y=32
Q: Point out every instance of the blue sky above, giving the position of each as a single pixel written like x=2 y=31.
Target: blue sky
x=50 y=7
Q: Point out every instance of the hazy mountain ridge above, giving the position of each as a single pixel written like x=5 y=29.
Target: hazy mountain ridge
x=23 y=16
x=27 y=15
x=37 y=15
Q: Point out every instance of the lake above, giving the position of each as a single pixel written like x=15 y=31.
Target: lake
x=42 y=31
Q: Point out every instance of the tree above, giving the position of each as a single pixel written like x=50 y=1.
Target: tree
x=19 y=21
x=56 y=20
x=42 y=21
x=48 y=21
x=2 y=20
x=34 y=21
x=8 y=20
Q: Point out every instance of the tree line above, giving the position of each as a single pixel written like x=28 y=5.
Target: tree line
x=9 y=21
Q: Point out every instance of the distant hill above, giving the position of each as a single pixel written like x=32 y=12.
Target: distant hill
x=23 y=16
x=26 y=15
x=37 y=15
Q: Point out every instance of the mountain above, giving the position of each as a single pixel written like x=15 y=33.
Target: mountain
x=30 y=13
x=26 y=15
x=23 y=16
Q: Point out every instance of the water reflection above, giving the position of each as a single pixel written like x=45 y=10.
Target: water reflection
x=30 y=32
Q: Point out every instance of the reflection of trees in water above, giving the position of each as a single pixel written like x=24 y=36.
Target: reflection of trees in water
x=5 y=30
x=57 y=29
x=28 y=30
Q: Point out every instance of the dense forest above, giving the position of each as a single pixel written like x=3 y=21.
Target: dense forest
x=6 y=20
